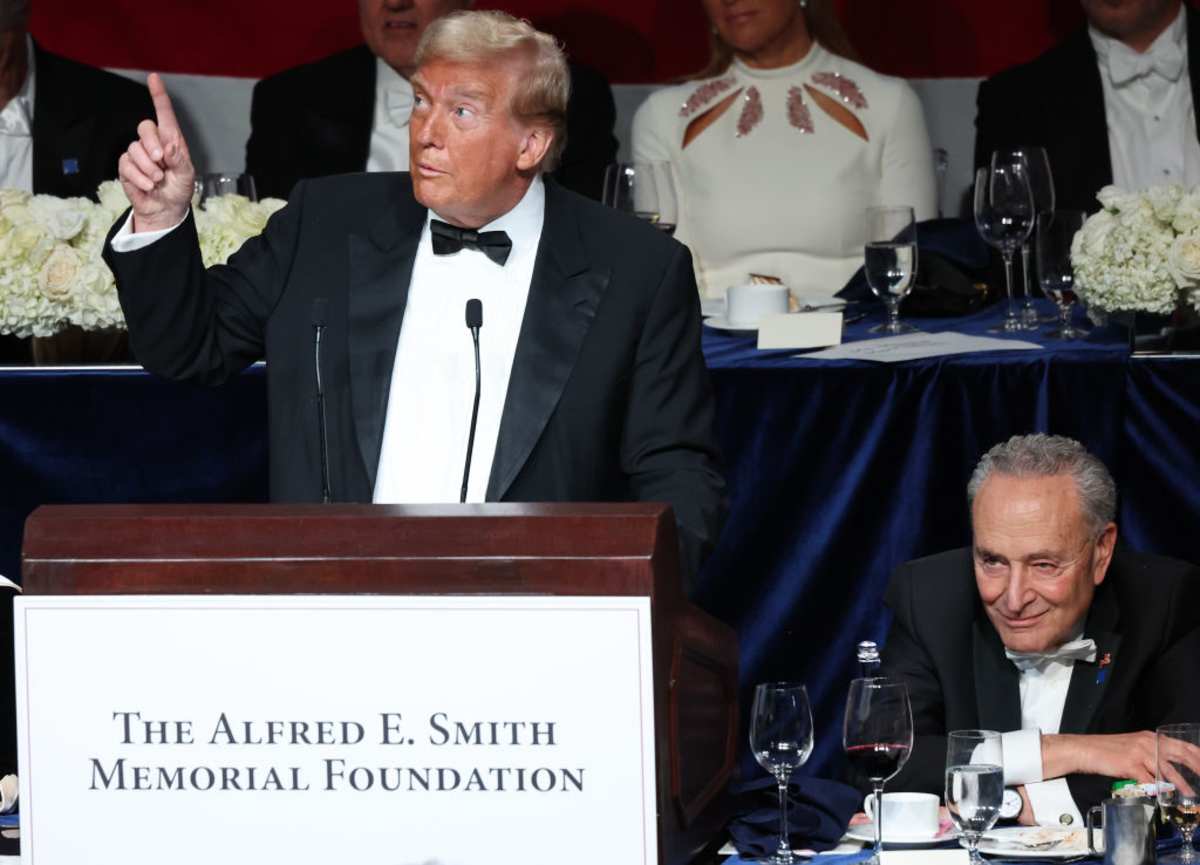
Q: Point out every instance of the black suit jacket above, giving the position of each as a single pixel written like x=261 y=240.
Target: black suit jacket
x=608 y=399
x=1057 y=101
x=315 y=120
x=83 y=120
x=1145 y=617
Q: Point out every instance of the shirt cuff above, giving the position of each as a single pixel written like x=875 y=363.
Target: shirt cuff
x=1022 y=757
x=125 y=240
x=1052 y=803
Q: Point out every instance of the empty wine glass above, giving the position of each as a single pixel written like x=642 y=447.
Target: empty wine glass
x=1004 y=215
x=645 y=190
x=1041 y=187
x=974 y=784
x=227 y=183
x=1055 y=232
x=1178 y=779
x=891 y=261
x=877 y=735
x=781 y=737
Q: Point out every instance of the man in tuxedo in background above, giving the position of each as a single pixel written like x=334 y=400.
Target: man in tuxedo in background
x=1044 y=631
x=63 y=125
x=349 y=112
x=1112 y=104
x=594 y=387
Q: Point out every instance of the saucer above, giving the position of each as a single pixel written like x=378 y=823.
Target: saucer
x=719 y=322
x=866 y=832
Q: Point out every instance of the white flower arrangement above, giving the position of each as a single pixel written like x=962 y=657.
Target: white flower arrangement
x=1141 y=252
x=51 y=272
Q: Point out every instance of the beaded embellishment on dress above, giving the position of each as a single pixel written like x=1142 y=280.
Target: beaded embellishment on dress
x=846 y=89
x=705 y=94
x=798 y=113
x=752 y=113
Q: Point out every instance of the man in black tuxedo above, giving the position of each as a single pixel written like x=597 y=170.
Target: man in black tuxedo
x=63 y=125
x=1043 y=631
x=594 y=385
x=1111 y=104
x=348 y=112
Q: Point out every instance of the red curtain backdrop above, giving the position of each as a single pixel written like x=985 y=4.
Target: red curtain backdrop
x=630 y=40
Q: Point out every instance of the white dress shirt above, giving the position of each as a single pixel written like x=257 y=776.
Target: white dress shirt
x=1149 y=108
x=1043 y=690
x=389 y=125
x=433 y=378
x=16 y=132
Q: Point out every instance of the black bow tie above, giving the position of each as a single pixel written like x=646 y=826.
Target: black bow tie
x=447 y=240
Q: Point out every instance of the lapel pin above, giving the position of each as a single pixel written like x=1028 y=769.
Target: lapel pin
x=1102 y=673
x=70 y=166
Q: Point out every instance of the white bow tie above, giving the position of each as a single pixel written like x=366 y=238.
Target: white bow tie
x=1076 y=650
x=399 y=105
x=1125 y=64
x=14 y=119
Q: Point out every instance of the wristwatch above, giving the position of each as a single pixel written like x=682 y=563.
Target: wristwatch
x=1010 y=806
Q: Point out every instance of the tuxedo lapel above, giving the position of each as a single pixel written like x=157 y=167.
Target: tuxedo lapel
x=380 y=270
x=1090 y=680
x=997 y=682
x=342 y=118
x=1079 y=112
x=1193 y=45
x=62 y=134
x=563 y=295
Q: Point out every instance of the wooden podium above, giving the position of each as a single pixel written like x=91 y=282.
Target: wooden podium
x=501 y=549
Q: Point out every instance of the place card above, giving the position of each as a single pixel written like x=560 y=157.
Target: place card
x=800 y=330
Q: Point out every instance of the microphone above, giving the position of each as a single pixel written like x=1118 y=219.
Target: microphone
x=474 y=322
x=318 y=322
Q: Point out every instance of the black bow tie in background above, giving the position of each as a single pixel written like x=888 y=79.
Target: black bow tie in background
x=447 y=240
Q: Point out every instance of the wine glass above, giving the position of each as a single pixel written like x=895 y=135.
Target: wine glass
x=1055 y=232
x=781 y=737
x=1004 y=215
x=227 y=183
x=1179 y=783
x=877 y=735
x=1041 y=187
x=891 y=261
x=974 y=784
x=645 y=190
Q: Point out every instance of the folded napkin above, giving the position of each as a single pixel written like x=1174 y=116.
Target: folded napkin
x=818 y=813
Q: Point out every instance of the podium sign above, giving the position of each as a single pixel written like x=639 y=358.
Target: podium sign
x=336 y=728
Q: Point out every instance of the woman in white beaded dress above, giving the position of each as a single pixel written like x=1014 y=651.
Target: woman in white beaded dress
x=781 y=145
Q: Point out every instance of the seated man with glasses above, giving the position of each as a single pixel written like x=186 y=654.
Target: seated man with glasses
x=1045 y=631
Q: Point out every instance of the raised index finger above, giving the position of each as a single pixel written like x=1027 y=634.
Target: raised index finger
x=163 y=111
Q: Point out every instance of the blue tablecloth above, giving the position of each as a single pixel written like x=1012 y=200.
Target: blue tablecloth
x=838 y=471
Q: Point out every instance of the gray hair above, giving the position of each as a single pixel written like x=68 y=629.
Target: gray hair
x=474 y=36
x=1040 y=455
x=14 y=14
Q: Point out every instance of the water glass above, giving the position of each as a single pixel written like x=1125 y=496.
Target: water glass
x=227 y=183
x=1055 y=233
x=645 y=190
x=891 y=261
x=1041 y=187
x=1178 y=779
x=781 y=738
x=974 y=784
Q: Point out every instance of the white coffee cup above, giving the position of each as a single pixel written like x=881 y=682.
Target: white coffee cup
x=906 y=815
x=750 y=302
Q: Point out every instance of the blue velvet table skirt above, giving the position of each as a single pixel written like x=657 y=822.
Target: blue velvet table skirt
x=838 y=471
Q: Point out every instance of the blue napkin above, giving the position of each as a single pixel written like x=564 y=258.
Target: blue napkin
x=818 y=813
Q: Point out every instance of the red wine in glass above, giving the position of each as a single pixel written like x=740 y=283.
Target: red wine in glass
x=877 y=761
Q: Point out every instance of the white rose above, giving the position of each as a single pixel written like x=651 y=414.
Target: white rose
x=62 y=217
x=1164 y=200
x=1094 y=237
x=1187 y=213
x=1116 y=199
x=1183 y=260
x=112 y=197
x=58 y=275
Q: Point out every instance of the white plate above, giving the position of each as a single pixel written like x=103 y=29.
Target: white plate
x=719 y=322
x=1036 y=842
x=866 y=832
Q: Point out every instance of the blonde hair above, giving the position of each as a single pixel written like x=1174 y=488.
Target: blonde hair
x=823 y=27
x=470 y=36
